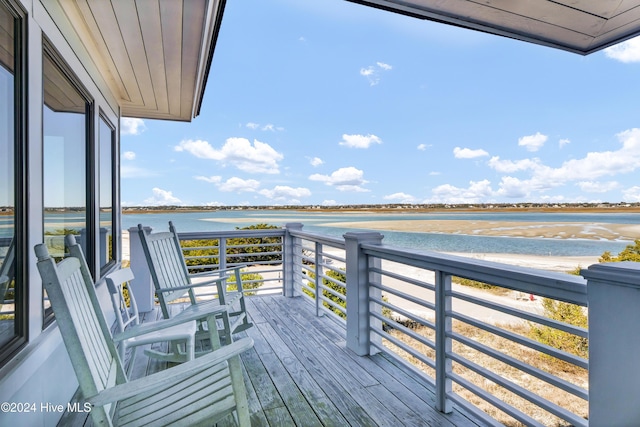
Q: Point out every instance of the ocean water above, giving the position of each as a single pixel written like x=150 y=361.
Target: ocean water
x=321 y=222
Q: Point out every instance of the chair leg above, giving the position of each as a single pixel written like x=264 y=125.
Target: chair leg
x=190 y=347
x=239 y=391
x=214 y=335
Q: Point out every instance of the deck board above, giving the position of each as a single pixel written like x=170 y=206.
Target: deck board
x=300 y=373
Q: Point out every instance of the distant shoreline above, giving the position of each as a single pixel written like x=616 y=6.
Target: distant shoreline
x=394 y=209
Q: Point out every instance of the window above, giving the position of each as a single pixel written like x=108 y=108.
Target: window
x=107 y=143
x=65 y=126
x=12 y=223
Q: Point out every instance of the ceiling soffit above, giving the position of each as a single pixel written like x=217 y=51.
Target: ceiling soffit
x=580 y=26
x=153 y=54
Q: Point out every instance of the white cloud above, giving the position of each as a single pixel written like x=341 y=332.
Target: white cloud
x=130 y=171
x=631 y=194
x=533 y=142
x=510 y=166
x=400 y=197
x=316 y=161
x=239 y=152
x=597 y=187
x=359 y=141
x=583 y=171
x=162 y=198
x=468 y=153
x=283 y=192
x=372 y=72
x=367 y=71
x=272 y=127
x=239 y=185
x=476 y=192
x=131 y=126
x=210 y=179
x=129 y=155
x=563 y=142
x=627 y=51
x=423 y=147
x=512 y=187
x=343 y=179
x=214 y=204
x=599 y=163
x=268 y=127
x=329 y=203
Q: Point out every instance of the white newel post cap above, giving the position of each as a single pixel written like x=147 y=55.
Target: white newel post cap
x=613 y=293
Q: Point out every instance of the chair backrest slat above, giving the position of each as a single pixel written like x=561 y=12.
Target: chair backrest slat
x=168 y=265
x=82 y=324
x=125 y=315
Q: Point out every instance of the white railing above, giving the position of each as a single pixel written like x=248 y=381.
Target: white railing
x=319 y=272
x=260 y=250
x=406 y=304
x=451 y=320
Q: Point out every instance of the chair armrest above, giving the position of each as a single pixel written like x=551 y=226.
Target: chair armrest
x=218 y=272
x=161 y=324
x=170 y=376
x=192 y=285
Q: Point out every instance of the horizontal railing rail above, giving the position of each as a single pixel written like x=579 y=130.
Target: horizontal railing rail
x=260 y=252
x=319 y=272
x=462 y=367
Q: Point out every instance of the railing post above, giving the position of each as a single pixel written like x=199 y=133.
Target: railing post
x=358 y=290
x=289 y=265
x=319 y=271
x=222 y=253
x=141 y=286
x=443 y=342
x=613 y=294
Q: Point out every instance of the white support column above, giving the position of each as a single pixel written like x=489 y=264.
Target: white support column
x=141 y=286
x=613 y=292
x=358 y=306
x=290 y=266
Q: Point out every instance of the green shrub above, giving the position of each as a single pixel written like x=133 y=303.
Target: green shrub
x=249 y=281
x=338 y=276
x=567 y=313
x=479 y=285
x=630 y=253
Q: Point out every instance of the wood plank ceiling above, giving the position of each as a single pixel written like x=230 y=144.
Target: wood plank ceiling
x=153 y=54
x=580 y=26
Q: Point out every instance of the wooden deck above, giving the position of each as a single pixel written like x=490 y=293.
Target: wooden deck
x=300 y=374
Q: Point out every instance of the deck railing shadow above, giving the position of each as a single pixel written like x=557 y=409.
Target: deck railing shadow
x=405 y=304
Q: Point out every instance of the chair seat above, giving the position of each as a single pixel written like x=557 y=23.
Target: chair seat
x=181 y=332
x=239 y=321
x=166 y=406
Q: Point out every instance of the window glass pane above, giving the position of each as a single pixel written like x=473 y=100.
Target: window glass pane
x=8 y=303
x=64 y=161
x=107 y=138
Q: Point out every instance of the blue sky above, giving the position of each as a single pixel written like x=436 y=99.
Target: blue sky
x=336 y=103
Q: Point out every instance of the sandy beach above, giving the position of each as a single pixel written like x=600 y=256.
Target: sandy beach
x=596 y=231
x=577 y=230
